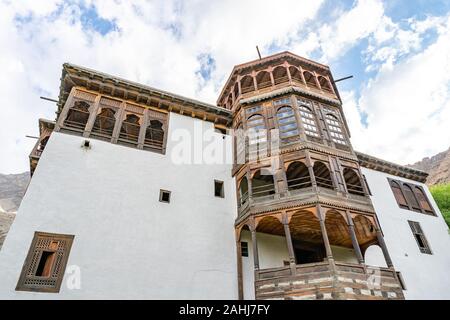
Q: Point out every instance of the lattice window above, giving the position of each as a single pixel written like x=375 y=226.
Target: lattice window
x=45 y=264
x=279 y=102
x=287 y=124
x=335 y=128
x=420 y=237
x=244 y=249
x=253 y=109
x=308 y=118
x=256 y=130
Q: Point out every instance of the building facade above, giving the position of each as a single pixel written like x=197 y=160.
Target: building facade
x=139 y=193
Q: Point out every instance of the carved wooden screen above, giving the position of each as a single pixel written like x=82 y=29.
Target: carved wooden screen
x=45 y=264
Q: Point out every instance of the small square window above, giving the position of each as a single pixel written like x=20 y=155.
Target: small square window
x=218 y=189
x=164 y=196
x=244 y=249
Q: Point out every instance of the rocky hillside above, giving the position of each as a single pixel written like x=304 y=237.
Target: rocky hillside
x=438 y=166
x=12 y=189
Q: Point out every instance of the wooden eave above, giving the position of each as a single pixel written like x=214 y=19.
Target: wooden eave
x=377 y=164
x=260 y=63
x=73 y=75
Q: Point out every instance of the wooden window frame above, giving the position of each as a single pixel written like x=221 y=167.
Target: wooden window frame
x=409 y=206
x=418 y=232
x=28 y=281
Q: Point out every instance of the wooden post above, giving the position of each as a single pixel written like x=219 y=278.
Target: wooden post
x=65 y=110
x=355 y=243
x=92 y=116
x=382 y=244
x=323 y=228
x=255 y=250
x=287 y=232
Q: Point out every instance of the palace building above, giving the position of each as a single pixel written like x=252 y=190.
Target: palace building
x=133 y=196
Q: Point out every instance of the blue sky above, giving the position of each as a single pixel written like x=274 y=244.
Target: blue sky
x=397 y=103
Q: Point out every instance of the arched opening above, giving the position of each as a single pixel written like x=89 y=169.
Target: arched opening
x=310 y=79
x=373 y=256
x=130 y=128
x=297 y=176
x=322 y=175
x=295 y=74
x=229 y=101
x=272 y=245
x=78 y=115
x=411 y=199
x=353 y=182
x=154 y=135
x=339 y=237
x=307 y=239
x=104 y=122
x=243 y=191
x=280 y=75
x=325 y=84
x=262 y=184
x=263 y=80
x=287 y=124
x=398 y=194
x=247 y=84
x=365 y=232
x=423 y=200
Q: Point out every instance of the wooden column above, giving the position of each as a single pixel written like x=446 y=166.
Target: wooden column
x=323 y=228
x=383 y=246
x=310 y=170
x=92 y=116
x=255 y=250
x=118 y=124
x=143 y=129
x=65 y=110
x=290 y=246
x=355 y=243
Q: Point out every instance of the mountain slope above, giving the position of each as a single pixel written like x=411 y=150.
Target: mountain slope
x=438 y=167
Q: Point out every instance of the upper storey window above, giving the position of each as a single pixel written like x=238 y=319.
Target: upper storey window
x=287 y=123
x=325 y=84
x=247 y=84
x=253 y=109
x=282 y=101
x=410 y=197
x=256 y=126
x=310 y=79
x=335 y=128
x=308 y=118
x=78 y=115
x=104 y=122
x=130 y=129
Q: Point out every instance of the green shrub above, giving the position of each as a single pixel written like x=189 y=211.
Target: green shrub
x=441 y=193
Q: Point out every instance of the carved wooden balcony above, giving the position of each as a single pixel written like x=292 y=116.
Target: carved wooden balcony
x=324 y=280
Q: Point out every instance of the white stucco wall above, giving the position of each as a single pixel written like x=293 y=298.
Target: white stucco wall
x=127 y=244
x=272 y=251
x=426 y=276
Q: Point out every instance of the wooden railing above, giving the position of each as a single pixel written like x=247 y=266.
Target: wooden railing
x=325 y=280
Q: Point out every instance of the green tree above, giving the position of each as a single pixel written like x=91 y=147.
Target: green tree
x=441 y=193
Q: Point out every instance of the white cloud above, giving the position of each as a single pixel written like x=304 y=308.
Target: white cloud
x=161 y=43
x=408 y=106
